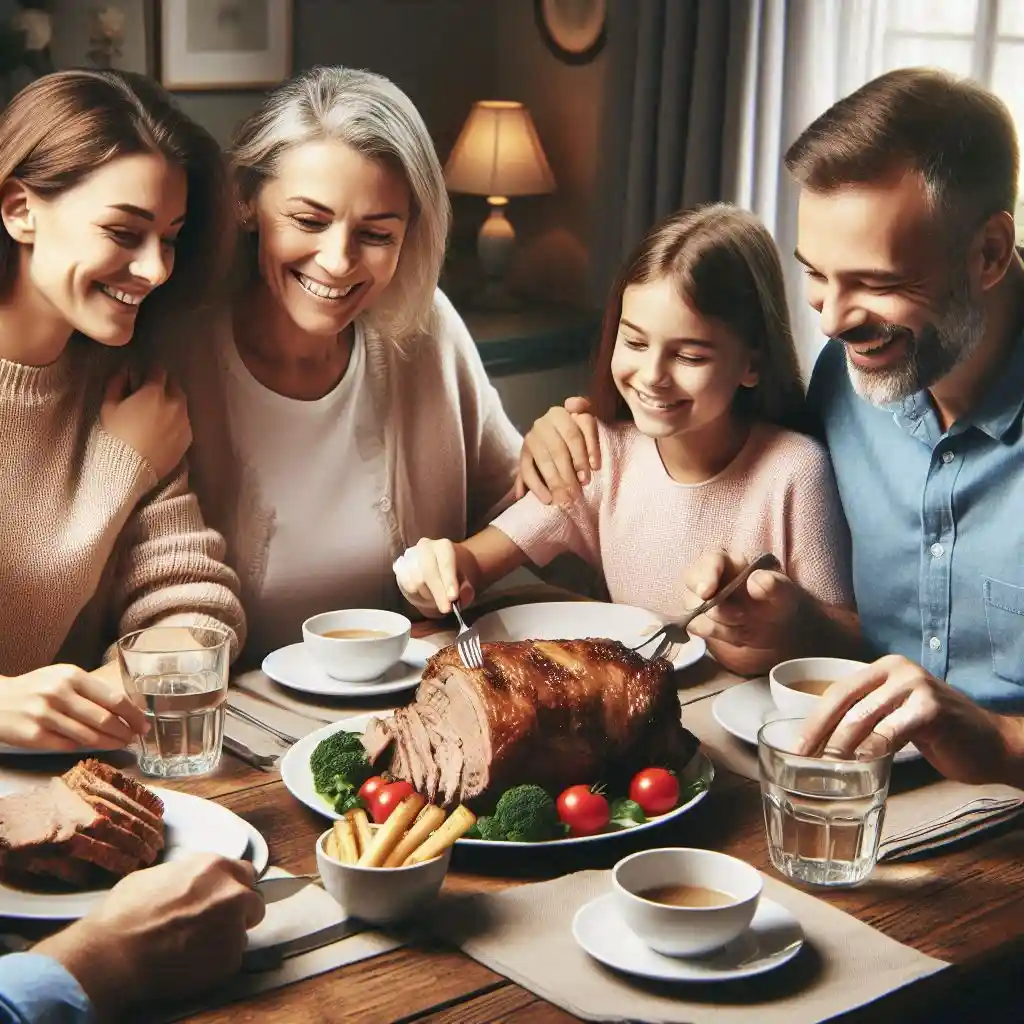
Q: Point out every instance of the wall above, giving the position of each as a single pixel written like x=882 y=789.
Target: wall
x=566 y=103
x=443 y=76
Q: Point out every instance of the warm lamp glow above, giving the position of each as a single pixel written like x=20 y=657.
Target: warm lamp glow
x=499 y=153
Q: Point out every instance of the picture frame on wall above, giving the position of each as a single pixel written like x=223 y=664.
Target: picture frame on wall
x=225 y=44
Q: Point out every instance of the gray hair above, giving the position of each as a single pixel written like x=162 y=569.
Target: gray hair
x=374 y=117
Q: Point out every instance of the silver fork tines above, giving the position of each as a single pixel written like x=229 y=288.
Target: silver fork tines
x=467 y=643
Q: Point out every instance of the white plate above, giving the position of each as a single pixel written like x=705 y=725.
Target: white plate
x=773 y=938
x=744 y=708
x=298 y=780
x=191 y=825
x=579 y=620
x=291 y=666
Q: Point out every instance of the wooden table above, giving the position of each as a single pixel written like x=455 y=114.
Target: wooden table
x=965 y=906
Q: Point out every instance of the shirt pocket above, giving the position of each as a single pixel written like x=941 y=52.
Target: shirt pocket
x=1004 y=613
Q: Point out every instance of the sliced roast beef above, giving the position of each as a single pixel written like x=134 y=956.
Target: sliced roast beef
x=552 y=713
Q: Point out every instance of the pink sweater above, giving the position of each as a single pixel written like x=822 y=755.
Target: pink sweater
x=642 y=529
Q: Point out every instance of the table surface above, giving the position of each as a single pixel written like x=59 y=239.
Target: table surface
x=964 y=905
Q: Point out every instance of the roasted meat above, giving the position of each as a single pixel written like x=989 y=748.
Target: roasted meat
x=553 y=713
x=89 y=827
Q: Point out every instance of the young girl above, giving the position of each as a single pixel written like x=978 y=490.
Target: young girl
x=697 y=375
x=105 y=188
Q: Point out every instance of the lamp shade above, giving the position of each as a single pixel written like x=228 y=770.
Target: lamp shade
x=498 y=153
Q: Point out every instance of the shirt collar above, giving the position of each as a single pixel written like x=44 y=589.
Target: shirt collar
x=995 y=414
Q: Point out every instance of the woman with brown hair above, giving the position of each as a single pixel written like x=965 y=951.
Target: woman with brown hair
x=697 y=383
x=105 y=188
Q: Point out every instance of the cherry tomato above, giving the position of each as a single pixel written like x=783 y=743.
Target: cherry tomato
x=583 y=810
x=371 y=787
x=388 y=798
x=656 y=790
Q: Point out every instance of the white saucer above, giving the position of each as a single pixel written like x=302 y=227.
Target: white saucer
x=773 y=938
x=744 y=708
x=291 y=666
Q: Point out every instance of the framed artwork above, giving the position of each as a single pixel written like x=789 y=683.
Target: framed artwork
x=573 y=30
x=225 y=44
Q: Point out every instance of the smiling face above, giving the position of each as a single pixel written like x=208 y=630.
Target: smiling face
x=331 y=226
x=91 y=255
x=676 y=369
x=887 y=284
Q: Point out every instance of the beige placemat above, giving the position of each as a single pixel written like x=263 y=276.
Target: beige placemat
x=917 y=820
x=525 y=934
x=302 y=914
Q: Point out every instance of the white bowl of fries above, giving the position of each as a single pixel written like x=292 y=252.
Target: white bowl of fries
x=384 y=873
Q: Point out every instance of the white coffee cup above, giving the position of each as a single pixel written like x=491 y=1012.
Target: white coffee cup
x=685 y=930
x=797 y=703
x=356 y=658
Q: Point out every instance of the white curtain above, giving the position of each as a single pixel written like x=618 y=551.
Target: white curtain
x=789 y=61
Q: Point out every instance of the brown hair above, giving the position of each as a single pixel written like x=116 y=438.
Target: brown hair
x=724 y=263
x=63 y=126
x=956 y=135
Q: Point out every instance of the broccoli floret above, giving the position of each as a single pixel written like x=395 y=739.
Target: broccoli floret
x=342 y=753
x=485 y=827
x=526 y=814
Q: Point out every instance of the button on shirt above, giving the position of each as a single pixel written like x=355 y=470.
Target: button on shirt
x=937 y=526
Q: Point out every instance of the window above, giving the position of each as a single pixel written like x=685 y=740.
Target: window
x=982 y=39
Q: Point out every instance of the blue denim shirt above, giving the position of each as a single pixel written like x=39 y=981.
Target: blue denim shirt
x=37 y=990
x=937 y=526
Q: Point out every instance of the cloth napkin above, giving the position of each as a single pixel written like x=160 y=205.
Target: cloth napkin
x=917 y=820
x=308 y=911
x=525 y=934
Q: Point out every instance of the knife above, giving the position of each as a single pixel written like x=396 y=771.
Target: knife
x=280 y=888
x=270 y=958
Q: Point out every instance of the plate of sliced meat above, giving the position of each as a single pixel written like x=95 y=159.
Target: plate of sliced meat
x=579 y=620
x=64 y=842
x=546 y=715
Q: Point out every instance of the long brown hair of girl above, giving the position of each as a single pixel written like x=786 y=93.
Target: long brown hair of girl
x=725 y=264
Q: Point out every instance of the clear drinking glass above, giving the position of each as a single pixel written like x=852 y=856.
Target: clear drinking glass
x=823 y=814
x=178 y=677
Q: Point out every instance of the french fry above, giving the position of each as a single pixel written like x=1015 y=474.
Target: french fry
x=459 y=822
x=331 y=846
x=361 y=823
x=430 y=818
x=345 y=834
x=389 y=834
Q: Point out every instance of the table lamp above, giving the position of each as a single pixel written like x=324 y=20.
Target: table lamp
x=498 y=155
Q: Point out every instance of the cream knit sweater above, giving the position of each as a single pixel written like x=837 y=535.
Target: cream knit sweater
x=90 y=546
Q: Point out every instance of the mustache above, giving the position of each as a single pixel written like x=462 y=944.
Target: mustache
x=880 y=331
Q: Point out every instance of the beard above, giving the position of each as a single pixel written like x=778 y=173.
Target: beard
x=931 y=353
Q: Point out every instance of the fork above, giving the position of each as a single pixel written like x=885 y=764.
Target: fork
x=258 y=723
x=467 y=643
x=675 y=632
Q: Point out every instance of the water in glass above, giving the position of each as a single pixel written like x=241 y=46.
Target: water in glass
x=186 y=717
x=823 y=815
x=178 y=677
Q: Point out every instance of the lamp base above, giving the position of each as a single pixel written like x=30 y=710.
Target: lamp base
x=495 y=245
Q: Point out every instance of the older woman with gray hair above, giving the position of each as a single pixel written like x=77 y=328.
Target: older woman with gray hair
x=341 y=411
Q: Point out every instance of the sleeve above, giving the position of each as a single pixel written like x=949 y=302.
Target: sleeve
x=37 y=990
x=543 y=532
x=819 y=539
x=492 y=442
x=171 y=569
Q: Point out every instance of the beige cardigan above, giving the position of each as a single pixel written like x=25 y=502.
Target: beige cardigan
x=451 y=452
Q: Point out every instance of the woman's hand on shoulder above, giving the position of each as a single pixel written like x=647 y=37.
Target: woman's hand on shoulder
x=152 y=419
x=559 y=453
x=61 y=707
x=431 y=577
